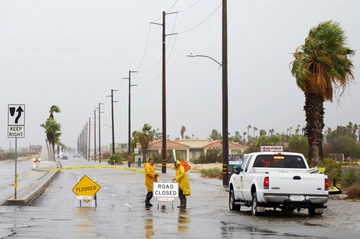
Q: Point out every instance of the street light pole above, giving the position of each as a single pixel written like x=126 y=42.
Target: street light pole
x=225 y=131
x=225 y=145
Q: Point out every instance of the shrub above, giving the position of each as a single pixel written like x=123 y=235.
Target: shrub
x=106 y=155
x=213 y=155
x=332 y=169
x=211 y=173
x=348 y=178
x=354 y=191
x=115 y=159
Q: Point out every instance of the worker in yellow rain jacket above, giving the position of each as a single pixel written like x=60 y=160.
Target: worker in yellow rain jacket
x=184 y=186
x=150 y=178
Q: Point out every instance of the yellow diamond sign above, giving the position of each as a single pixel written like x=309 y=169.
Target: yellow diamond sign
x=86 y=187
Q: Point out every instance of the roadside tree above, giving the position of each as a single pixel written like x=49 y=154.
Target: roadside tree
x=322 y=69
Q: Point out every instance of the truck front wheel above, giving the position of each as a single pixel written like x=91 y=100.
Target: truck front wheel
x=232 y=205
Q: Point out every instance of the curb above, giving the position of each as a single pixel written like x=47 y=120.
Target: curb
x=34 y=190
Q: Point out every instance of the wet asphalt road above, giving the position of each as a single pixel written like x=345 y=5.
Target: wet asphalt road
x=120 y=212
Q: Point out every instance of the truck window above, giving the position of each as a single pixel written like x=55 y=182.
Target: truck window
x=245 y=163
x=279 y=161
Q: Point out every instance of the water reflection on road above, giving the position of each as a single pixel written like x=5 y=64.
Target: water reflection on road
x=121 y=213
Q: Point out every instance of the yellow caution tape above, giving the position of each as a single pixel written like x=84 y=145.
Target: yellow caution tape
x=86 y=167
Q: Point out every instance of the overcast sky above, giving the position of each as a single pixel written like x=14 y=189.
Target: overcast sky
x=72 y=53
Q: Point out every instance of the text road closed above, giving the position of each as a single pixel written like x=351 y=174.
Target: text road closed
x=165 y=189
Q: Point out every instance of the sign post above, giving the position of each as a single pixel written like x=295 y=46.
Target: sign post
x=16 y=129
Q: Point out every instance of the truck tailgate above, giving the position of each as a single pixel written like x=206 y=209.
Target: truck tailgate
x=297 y=184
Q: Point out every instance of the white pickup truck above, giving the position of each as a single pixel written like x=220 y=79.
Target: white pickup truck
x=277 y=180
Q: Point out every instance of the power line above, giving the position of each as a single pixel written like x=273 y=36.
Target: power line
x=202 y=21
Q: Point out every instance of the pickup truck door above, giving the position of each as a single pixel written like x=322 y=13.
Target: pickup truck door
x=244 y=188
x=238 y=179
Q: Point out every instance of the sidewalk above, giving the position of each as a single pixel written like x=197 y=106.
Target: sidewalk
x=32 y=187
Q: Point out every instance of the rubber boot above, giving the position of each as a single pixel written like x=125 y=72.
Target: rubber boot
x=182 y=203
x=147 y=199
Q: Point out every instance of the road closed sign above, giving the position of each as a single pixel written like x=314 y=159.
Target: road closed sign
x=165 y=189
x=86 y=187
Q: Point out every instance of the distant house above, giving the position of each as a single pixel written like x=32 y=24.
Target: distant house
x=191 y=149
x=178 y=148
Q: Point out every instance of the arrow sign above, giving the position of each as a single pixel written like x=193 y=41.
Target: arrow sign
x=86 y=187
x=16 y=121
x=19 y=110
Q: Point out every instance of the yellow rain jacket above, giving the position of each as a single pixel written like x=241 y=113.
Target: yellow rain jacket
x=149 y=176
x=182 y=179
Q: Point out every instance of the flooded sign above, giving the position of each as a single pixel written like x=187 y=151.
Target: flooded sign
x=165 y=189
x=86 y=187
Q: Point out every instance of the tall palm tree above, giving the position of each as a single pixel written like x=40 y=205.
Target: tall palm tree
x=249 y=127
x=322 y=69
x=254 y=129
x=144 y=138
x=52 y=130
x=54 y=109
x=182 y=131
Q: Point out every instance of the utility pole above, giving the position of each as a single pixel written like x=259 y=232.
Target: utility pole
x=100 y=133
x=225 y=141
x=89 y=137
x=112 y=120
x=163 y=150
x=84 y=152
x=129 y=118
x=164 y=135
x=94 y=135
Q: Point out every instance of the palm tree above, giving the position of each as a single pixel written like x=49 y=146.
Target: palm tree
x=249 y=127
x=182 y=131
x=144 y=137
x=54 y=109
x=322 y=70
x=254 y=129
x=52 y=130
x=215 y=135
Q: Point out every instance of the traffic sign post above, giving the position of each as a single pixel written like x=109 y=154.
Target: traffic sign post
x=86 y=189
x=16 y=129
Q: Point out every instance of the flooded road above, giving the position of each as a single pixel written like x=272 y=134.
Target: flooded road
x=121 y=213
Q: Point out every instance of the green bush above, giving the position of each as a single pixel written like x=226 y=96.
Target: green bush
x=115 y=159
x=348 y=178
x=332 y=169
x=211 y=173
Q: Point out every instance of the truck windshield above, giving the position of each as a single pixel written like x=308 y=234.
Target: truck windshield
x=279 y=161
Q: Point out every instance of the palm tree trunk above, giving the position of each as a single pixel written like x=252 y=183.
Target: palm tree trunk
x=144 y=151
x=314 y=110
